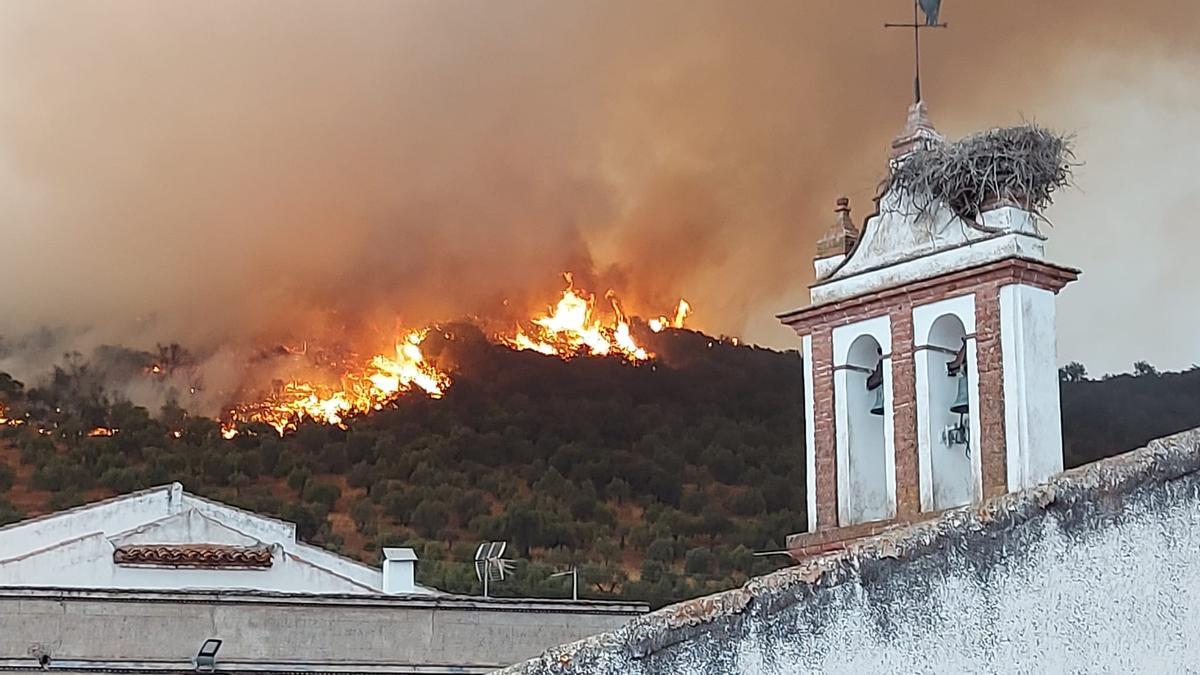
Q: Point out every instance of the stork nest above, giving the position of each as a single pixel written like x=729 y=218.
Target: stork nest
x=1022 y=164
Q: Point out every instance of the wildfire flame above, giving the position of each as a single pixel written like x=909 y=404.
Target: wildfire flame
x=572 y=327
x=682 y=311
x=379 y=381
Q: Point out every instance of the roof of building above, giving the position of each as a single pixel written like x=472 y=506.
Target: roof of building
x=165 y=537
x=1070 y=496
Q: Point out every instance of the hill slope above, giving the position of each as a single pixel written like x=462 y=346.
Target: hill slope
x=658 y=480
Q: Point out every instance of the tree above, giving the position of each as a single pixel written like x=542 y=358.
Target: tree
x=652 y=571
x=308 y=522
x=618 y=490
x=1072 y=372
x=320 y=492
x=363 y=512
x=9 y=513
x=430 y=517
x=1144 y=369
x=698 y=561
x=523 y=523
x=662 y=550
x=552 y=484
x=749 y=502
x=469 y=505
x=298 y=478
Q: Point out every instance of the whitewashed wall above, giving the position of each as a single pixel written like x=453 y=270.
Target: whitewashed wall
x=1096 y=572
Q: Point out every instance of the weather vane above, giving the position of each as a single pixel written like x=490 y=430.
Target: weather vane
x=930 y=9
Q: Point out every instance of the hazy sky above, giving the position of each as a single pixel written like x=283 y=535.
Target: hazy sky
x=248 y=170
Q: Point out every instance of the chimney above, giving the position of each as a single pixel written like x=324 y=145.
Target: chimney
x=399 y=570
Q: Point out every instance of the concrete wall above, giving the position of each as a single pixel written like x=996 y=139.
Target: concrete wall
x=1096 y=571
x=85 y=630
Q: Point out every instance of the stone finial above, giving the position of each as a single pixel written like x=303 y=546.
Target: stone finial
x=918 y=132
x=841 y=237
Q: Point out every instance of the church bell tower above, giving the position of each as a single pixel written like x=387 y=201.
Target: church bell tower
x=930 y=366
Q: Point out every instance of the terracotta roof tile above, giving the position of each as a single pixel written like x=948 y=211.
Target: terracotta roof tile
x=193 y=555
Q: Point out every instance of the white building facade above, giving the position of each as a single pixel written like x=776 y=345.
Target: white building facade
x=139 y=582
x=165 y=538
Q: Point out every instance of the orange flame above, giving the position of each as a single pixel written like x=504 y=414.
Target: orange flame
x=574 y=326
x=682 y=311
x=381 y=380
x=571 y=327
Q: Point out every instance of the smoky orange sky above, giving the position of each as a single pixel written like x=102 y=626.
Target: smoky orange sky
x=224 y=170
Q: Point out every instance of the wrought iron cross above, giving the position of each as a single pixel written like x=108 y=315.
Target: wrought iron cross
x=916 y=27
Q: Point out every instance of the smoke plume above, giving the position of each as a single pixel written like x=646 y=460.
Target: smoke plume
x=229 y=174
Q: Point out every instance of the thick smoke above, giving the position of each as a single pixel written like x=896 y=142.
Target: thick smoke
x=233 y=174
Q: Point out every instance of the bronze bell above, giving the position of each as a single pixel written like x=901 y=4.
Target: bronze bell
x=875 y=384
x=957 y=368
x=962 y=402
x=877 y=406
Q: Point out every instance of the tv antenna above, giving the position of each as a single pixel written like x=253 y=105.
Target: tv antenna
x=574 y=572
x=490 y=564
x=930 y=9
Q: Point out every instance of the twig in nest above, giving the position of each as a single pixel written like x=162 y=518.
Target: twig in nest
x=1025 y=164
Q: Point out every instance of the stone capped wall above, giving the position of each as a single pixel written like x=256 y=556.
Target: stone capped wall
x=1097 y=571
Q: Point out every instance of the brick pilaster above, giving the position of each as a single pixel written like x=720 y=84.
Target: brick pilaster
x=991 y=446
x=904 y=408
x=824 y=437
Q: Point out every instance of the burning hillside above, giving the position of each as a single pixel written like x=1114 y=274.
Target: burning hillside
x=331 y=390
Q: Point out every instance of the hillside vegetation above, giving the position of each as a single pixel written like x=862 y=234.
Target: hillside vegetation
x=658 y=482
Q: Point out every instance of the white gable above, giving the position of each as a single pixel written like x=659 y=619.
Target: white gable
x=900 y=246
x=188 y=527
x=75 y=548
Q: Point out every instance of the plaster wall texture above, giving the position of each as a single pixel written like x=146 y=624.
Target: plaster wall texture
x=1094 y=571
x=826 y=266
x=289 y=632
x=900 y=245
x=74 y=548
x=810 y=439
x=1032 y=419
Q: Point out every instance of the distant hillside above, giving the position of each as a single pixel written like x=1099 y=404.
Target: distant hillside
x=659 y=481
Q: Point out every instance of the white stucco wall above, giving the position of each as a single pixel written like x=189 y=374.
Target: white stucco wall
x=74 y=548
x=899 y=246
x=87 y=562
x=112 y=515
x=823 y=267
x=1095 y=573
x=1032 y=417
x=810 y=441
x=993 y=247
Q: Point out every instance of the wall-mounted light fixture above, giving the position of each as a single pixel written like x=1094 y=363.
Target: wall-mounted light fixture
x=206 y=658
